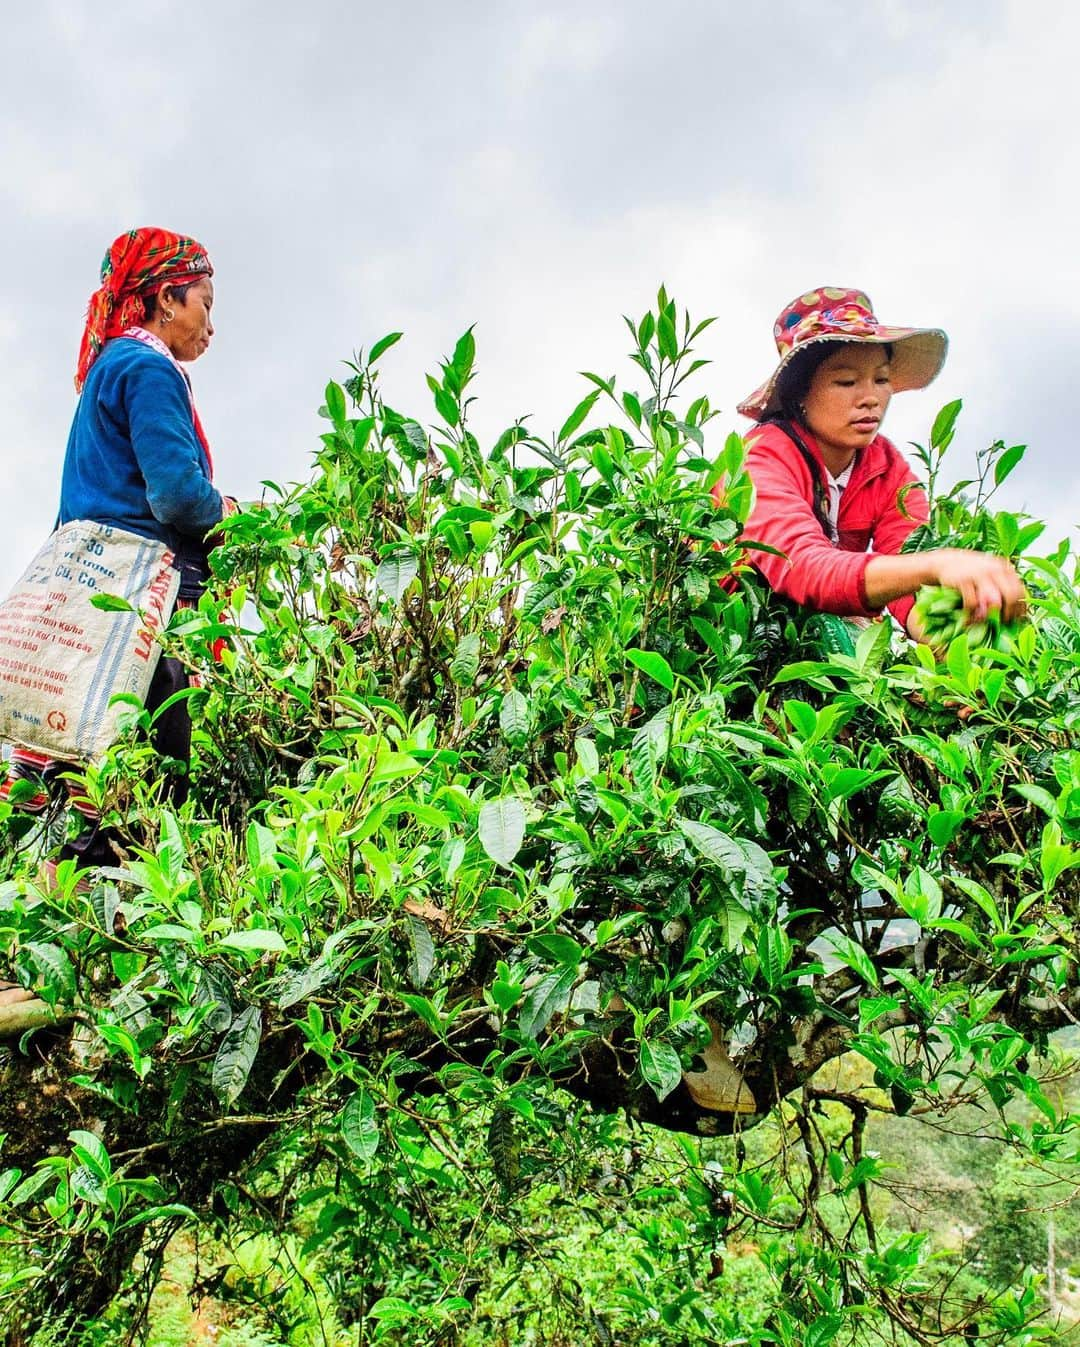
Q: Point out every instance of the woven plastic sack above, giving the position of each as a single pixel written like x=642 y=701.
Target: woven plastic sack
x=61 y=659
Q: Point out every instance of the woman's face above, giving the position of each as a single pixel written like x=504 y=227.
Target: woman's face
x=188 y=333
x=848 y=395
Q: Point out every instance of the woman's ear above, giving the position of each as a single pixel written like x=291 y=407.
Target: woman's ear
x=166 y=304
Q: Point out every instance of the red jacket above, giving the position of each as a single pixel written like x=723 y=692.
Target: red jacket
x=874 y=509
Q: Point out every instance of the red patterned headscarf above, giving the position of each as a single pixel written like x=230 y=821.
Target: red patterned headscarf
x=138 y=264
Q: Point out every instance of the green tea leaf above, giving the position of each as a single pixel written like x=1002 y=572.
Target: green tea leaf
x=666 y=337
x=736 y=856
x=53 y=967
x=447 y=407
x=660 y=1067
x=394 y=575
x=854 y=956
x=31 y=1186
x=464 y=356
x=261 y=847
x=696 y=587
x=422 y=959
x=944 y=423
x=236 y=1056
x=504 y=1146
x=466 y=661
x=257 y=939
x=710 y=636
x=1007 y=462
x=576 y=417
x=88 y=1186
x=653 y=664
x=110 y=603
x=359 y=1126
x=514 y=718
x=383 y=344
x=168 y=930
x=335 y=404
x=91 y=1151
x=551 y=994
x=560 y=948
x=171 y=850
x=774 y=954
x=300 y=983
x=502 y=828
x=633 y=408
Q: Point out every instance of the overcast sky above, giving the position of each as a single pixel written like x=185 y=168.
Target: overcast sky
x=537 y=169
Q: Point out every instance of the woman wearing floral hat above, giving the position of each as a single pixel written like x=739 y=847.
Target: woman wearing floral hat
x=138 y=459
x=829 y=486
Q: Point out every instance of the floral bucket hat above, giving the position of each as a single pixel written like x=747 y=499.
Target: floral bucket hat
x=833 y=314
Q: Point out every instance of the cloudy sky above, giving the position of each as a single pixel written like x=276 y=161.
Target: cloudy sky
x=537 y=167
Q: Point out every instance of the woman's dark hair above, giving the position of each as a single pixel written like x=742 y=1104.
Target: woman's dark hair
x=794 y=383
x=179 y=293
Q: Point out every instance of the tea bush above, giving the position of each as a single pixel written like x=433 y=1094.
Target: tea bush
x=536 y=864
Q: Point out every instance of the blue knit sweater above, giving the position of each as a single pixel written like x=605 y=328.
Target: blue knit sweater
x=134 y=461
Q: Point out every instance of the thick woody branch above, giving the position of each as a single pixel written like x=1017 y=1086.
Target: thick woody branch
x=22 y=1017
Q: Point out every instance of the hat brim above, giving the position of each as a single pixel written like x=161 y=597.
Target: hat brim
x=917 y=358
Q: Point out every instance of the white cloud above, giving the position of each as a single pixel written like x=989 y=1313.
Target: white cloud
x=574 y=40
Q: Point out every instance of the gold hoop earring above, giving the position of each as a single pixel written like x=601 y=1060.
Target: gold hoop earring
x=167 y=315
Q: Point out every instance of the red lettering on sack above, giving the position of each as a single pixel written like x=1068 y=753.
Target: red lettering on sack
x=155 y=605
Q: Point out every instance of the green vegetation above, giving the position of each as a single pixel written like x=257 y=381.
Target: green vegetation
x=939 y=610
x=519 y=815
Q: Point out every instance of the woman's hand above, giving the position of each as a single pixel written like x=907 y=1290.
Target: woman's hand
x=985 y=582
x=229 y=506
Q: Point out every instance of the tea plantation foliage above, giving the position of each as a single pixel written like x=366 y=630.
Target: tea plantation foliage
x=512 y=818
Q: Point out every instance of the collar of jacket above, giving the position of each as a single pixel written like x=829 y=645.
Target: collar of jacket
x=871 y=461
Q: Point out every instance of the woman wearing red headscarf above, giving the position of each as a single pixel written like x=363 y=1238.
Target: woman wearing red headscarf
x=137 y=458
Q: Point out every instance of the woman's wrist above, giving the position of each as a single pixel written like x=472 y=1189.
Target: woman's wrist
x=894 y=576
